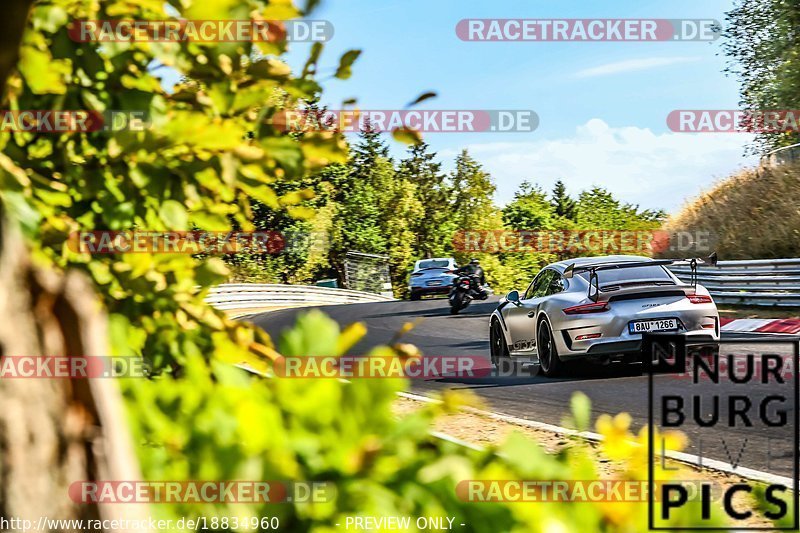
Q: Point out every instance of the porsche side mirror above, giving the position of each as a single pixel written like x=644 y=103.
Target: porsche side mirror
x=513 y=297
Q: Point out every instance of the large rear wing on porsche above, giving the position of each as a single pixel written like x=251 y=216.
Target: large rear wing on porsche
x=592 y=269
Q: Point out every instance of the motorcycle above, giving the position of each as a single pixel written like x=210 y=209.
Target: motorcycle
x=465 y=289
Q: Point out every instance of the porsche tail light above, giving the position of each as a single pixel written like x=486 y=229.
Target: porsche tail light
x=700 y=299
x=595 y=307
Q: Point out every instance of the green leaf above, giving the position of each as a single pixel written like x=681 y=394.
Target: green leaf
x=323 y=149
x=311 y=5
x=216 y=10
x=313 y=58
x=581 y=407
x=209 y=221
x=314 y=334
x=280 y=10
x=222 y=95
x=55 y=198
x=211 y=272
x=285 y=151
x=300 y=212
x=12 y=176
x=407 y=136
x=42 y=73
x=141 y=82
x=269 y=69
x=422 y=98
x=18 y=208
x=200 y=131
x=254 y=95
x=174 y=215
x=345 y=63
x=259 y=191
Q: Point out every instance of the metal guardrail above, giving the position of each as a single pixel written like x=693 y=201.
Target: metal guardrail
x=781 y=156
x=238 y=296
x=760 y=282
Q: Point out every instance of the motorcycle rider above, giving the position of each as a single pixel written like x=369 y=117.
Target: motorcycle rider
x=474 y=270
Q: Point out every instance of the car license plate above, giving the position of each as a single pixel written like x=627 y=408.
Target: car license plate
x=436 y=282
x=646 y=326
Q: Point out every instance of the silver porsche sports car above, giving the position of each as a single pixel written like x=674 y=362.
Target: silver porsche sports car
x=598 y=308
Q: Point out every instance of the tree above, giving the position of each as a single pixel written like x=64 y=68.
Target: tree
x=435 y=229
x=303 y=221
x=403 y=211
x=378 y=209
x=473 y=189
x=598 y=209
x=563 y=204
x=762 y=46
x=530 y=209
x=359 y=218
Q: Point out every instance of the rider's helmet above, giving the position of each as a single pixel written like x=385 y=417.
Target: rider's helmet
x=474 y=261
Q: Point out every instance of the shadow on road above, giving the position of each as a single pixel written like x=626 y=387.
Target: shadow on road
x=484 y=309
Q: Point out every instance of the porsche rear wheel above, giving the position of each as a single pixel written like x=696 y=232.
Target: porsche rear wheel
x=549 y=362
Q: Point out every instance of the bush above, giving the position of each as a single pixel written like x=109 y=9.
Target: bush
x=219 y=423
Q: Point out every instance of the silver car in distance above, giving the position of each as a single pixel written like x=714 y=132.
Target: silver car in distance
x=598 y=308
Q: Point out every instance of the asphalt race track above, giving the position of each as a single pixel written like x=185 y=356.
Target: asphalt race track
x=612 y=389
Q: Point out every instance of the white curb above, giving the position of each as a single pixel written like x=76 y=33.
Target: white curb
x=693 y=460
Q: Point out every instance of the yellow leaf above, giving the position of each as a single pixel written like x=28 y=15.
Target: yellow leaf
x=303 y=213
x=42 y=73
x=349 y=337
x=407 y=136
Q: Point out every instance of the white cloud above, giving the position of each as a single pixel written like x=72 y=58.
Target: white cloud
x=637 y=165
x=632 y=65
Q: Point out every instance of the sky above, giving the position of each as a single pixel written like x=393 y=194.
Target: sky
x=602 y=106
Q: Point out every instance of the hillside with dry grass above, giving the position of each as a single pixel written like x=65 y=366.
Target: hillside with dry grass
x=754 y=214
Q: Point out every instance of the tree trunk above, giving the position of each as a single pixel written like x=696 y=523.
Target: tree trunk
x=54 y=432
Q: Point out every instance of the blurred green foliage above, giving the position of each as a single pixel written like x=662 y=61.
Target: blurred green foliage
x=220 y=423
x=209 y=151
